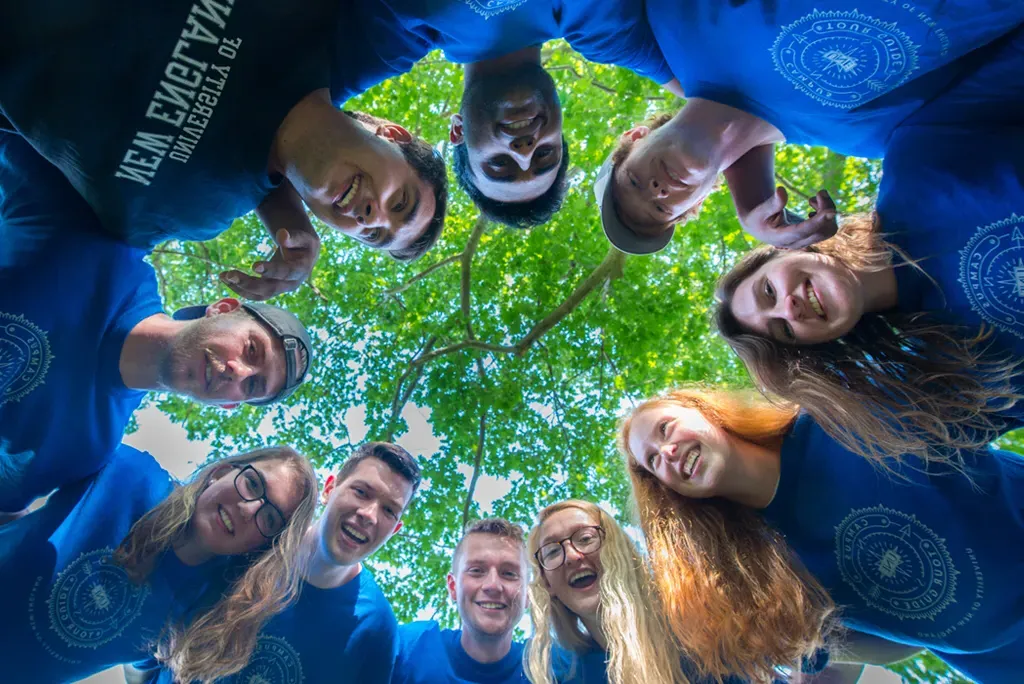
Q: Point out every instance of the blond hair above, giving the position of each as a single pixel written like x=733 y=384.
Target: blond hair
x=220 y=641
x=640 y=648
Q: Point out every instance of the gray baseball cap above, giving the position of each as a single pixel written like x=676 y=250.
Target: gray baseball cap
x=287 y=327
x=618 y=233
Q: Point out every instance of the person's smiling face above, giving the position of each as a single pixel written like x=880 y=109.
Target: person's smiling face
x=488 y=583
x=799 y=298
x=512 y=128
x=576 y=582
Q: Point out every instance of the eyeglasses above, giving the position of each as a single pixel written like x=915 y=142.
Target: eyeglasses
x=585 y=540
x=251 y=486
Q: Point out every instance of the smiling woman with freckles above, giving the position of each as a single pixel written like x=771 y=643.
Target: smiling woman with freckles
x=766 y=535
x=867 y=332
x=128 y=561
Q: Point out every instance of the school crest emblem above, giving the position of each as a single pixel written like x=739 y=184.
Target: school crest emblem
x=992 y=273
x=844 y=59
x=492 y=8
x=93 y=601
x=24 y=357
x=895 y=563
x=273 y=662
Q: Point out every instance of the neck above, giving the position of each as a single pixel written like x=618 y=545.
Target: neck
x=879 y=288
x=321 y=570
x=752 y=475
x=488 y=67
x=146 y=344
x=189 y=551
x=593 y=625
x=485 y=648
x=720 y=134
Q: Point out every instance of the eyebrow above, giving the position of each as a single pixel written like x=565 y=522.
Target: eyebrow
x=409 y=217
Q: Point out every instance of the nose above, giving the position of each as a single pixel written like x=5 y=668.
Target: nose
x=571 y=554
x=366 y=212
x=368 y=514
x=657 y=189
x=669 y=452
x=492 y=582
x=249 y=508
x=237 y=369
x=521 y=150
x=795 y=308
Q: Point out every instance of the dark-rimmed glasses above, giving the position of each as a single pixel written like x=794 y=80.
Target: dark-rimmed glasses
x=251 y=486
x=585 y=540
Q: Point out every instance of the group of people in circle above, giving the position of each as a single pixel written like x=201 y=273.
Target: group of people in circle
x=850 y=512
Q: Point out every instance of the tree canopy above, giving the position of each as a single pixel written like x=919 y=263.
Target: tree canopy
x=525 y=346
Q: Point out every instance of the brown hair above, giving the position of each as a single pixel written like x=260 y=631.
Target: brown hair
x=394 y=457
x=220 y=641
x=897 y=383
x=734 y=594
x=496 y=527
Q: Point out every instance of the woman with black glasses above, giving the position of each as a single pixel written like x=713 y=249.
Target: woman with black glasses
x=118 y=565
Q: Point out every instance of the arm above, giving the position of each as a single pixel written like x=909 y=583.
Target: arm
x=674 y=87
x=761 y=206
x=298 y=247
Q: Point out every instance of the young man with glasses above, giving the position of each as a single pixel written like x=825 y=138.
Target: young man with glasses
x=84 y=336
x=341 y=629
x=488 y=584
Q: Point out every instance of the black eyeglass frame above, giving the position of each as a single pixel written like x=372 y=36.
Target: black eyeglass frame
x=561 y=546
x=266 y=502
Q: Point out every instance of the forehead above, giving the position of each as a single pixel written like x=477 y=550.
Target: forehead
x=382 y=478
x=563 y=523
x=284 y=485
x=744 y=304
x=481 y=547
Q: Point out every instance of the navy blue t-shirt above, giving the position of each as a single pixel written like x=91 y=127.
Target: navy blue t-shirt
x=69 y=296
x=841 y=74
x=162 y=114
x=591 y=667
x=346 y=635
x=394 y=34
x=924 y=558
x=431 y=655
x=68 y=612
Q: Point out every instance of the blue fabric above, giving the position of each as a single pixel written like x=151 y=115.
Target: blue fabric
x=841 y=74
x=394 y=34
x=69 y=296
x=924 y=558
x=430 y=655
x=342 y=635
x=952 y=196
x=161 y=114
x=592 y=668
x=68 y=612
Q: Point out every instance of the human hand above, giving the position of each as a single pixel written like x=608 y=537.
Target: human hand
x=771 y=222
x=296 y=254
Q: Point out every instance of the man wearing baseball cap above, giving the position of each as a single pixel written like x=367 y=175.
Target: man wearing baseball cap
x=83 y=336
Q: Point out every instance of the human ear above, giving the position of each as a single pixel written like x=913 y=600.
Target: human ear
x=635 y=133
x=394 y=133
x=223 y=306
x=455 y=135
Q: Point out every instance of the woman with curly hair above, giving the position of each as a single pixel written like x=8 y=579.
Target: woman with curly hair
x=766 y=536
x=904 y=333
x=128 y=561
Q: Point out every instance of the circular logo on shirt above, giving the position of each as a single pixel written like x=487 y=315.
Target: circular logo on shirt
x=895 y=563
x=992 y=274
x=273 y=662
x=24 y=357
x=93 y=601
x=492 y=8
x=844 y=59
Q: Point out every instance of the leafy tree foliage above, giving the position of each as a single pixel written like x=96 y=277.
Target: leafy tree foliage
x=525 y=346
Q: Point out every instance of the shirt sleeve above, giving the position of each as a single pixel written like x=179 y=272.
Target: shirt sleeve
x=616 y=32
x=378 y=640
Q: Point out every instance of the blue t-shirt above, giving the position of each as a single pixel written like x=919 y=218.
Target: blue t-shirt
x=162 y=114
x=394 y=34
x=69 y=296
x=68 y=612
x=431 y=655
x=930 y=558
x=342 y=635
x=840 y=74
x=591 y=667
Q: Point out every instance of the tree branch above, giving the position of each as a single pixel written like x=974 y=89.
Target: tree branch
x=459 y=346
x=785 y=181
x=476 y=468
x=467 y=262
x=423 y=274
x=402 y=397
x=164 y=250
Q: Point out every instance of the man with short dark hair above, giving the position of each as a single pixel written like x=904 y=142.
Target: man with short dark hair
x=509 y=153
x=83 y=337
x=341 y=629
x=488 y=584
x=172 y=119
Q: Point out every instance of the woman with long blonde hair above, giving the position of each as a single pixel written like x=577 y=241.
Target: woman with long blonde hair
x=766 y=536
x=594 y=612
x=128 y=561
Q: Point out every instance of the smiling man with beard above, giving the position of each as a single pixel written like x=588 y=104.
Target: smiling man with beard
x=488 y=585
x=83 y=337
x=509 y=152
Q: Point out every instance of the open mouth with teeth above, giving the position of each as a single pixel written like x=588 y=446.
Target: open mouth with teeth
x=582 y=579
x=228 y=525
x=812 y=297
x=492 y=605
x=346 y=198
x=352 y=533
x=690 y=464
